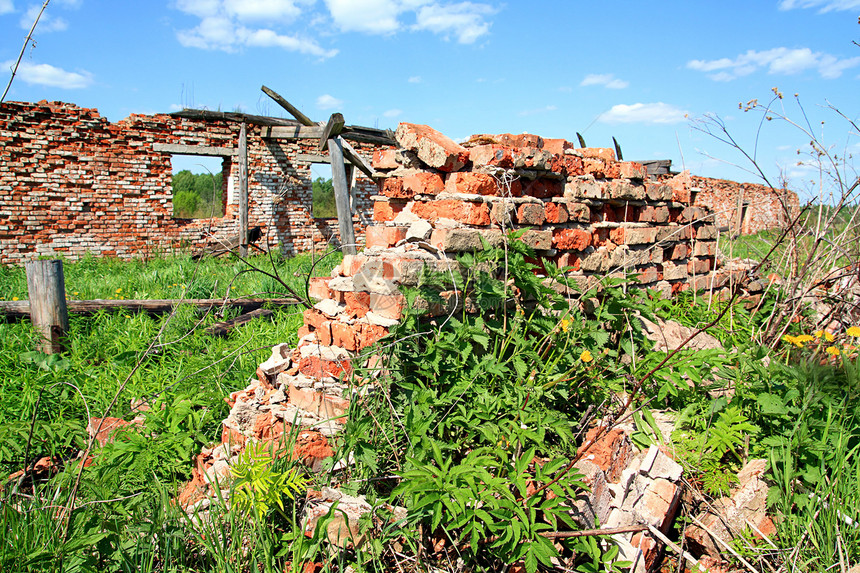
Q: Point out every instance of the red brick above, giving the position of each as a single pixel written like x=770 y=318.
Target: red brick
x=343 y=335
x=677 y=252
x=383 y=236
x=639 y=235
x=463 y=211
x=323 y=405
x=471 y=183
x=649 y=275
x=556 y=213
x=387 y=306
x=568 y=260
x=538 y=240
x=567 y=165
x=384 y=211
x=602 y=153
x=704 y=248
x=543 y=188
x=423 y=183
x=357 y=303
x=578 y=212
x=493 y=155
x=699 y=266
x=571 y=239
x=519 y=140
x=385 y=159
x=557 y=146
x=393 y=187
x=316 y=367
x=690 y=215
x=432 y=147
x=632 y=170
x=658 y=191
x=314 y=318
x=653 y=214
x=531 y=214
x=318 y=288
x=370 y=334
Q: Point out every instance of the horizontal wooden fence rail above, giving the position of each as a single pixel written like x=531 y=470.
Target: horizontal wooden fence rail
x=21 y=308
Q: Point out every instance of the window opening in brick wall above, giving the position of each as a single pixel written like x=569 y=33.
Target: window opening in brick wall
x=323 y=192
x=199 y=185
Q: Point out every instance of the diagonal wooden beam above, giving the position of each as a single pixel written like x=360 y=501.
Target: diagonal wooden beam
x=356 y=159
x=332 y=129
x=294 y=111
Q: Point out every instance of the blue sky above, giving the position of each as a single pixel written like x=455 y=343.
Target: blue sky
x=643 y=72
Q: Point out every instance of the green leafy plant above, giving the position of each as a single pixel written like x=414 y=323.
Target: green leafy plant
x=258 y=486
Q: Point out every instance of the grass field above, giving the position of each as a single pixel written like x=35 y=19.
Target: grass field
x=161 y=357
x=461 y=412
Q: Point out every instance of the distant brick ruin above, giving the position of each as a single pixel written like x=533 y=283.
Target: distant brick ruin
x=73 y=183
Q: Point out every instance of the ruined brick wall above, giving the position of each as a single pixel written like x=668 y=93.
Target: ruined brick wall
x=73 y=183
x=745 y=208
x=583 y=209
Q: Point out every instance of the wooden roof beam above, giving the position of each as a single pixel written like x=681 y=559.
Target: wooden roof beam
x=294 y=111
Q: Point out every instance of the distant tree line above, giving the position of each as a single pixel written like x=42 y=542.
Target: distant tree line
x=197 y=195
x=324 y=206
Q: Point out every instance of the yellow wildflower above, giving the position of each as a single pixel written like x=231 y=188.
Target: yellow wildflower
x=819 y=333
x=119 y=290
x=804 y=338
x=565 y=325
x=832 y=351
x=792 y=340
x=586 y=356
x=14 y=298
x=853 y=331
x=828 y=336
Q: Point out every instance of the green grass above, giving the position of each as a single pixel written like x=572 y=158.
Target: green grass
x=479 y=396
x=175 y=356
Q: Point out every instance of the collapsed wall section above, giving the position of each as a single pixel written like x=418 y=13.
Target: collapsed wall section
x=745 y=208
x=73 y=183
x=582 y=208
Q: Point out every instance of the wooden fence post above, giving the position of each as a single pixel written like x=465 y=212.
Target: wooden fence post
x=341 y=196
x=46 y=286
x=243 y=191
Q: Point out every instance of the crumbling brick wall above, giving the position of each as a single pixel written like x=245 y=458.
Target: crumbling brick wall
x=582 y=208
x=73 y=183
x=745 y=208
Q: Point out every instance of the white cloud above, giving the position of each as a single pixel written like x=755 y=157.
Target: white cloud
x=370 y=16
x=212 y=33
x=231 y=24
x=659 y=113
x=776 y=61
x=392 y=113
x=605 y=80
x=222 y=26
x=6 y=6
x=201 y=8
x=822 y=5
x=265 y=10
x=465 y=20
x=47 y=23
x=536 y=111
x=327 y=101
x=415 y=80
x=51 y=76
x=267 y=38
